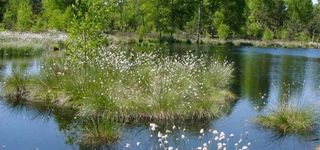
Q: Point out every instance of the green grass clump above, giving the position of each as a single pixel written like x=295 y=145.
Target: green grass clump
x=11 y=52
x=126 y=87
x=16 y=87
x=97 y=132
x=290 y=120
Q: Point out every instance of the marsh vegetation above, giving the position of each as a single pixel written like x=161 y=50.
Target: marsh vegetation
x=127 y=87
x=287 y=120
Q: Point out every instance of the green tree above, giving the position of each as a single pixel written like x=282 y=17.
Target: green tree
x=269 y=14
x=2 y=9
x=299 y=15
x=224 y=31
x=86 y=31
x=9 y=19
x=267 y=35
x=314 y=25
x=54 y=16
x=24 y=16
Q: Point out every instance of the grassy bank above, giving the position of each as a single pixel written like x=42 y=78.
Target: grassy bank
x=23 y=44
x=290 y=120
x=122 y=88
x=153 y=38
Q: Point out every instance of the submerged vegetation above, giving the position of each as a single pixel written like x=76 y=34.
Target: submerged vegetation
x=290 y=120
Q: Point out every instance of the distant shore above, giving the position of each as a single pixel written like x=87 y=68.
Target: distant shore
x=20 y=39
x=126 y=38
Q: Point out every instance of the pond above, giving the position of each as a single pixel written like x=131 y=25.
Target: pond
x=263 y=78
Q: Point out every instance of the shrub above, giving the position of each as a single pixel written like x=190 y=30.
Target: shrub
x=86 y=30
x=254 y=30
x=303 y=36
x=267 y=35
x=9 y=19
x=2 y=26
x=24 y=16
x=224 y=31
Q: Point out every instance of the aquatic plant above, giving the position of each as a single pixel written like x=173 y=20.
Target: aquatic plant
x=288 y=119
x=15 y=87
x=124 y=86
x=97 y=132
x=23 y=51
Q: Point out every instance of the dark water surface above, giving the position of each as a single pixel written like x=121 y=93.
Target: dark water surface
x=264 y=77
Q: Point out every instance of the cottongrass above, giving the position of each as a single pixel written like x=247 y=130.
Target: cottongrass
x=126 y=87
x=17 y=44
x=287 y=119
x=28 y=36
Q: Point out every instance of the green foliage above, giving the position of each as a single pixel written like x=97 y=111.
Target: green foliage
x=245 y=18
x=86 y=31
x=254 y=30
x=2 y=9
x=224 y=31
x=2 y=27
x=268 y=13
x=303 y=36
x=282 y=34
x=299 y=11
x=24 y=16
x=267 y=35
x=299 y=15
x=9 y=19
x=54 y=17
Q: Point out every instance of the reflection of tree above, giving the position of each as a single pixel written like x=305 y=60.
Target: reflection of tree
x=255 y=78
x=74 y=129
x=291 y=77
x=2 y=69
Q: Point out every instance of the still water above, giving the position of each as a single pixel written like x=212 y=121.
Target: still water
x=264 y=77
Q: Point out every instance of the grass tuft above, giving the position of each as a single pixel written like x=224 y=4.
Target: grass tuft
x=99 y=132
x=15 y=87
x=290 y=120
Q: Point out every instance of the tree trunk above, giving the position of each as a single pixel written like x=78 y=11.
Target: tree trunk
x=199 y=24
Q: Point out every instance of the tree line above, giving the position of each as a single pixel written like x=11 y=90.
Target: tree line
x=249 y=19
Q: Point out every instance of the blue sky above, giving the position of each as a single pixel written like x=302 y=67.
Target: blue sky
x=315 y=1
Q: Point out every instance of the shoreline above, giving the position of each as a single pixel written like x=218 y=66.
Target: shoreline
x=129 y=38
x=52 y=39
